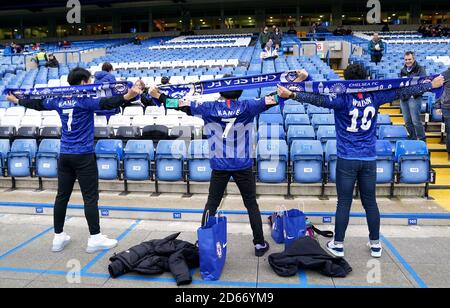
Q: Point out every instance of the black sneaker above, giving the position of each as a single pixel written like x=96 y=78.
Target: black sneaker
x=261 y=251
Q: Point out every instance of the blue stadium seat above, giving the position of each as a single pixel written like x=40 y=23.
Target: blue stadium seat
x=311 y=109
x=393 y=133
x=273 y=110
x=271 y=132
x=385 y=162
x=293 y=109
x=109 y=155
x=322 y=120
x=331 y=159
x=326 y=133
x=198 y=159
x=47 y=158
x=301 y=132
x=138 y=155
x=21 y=156
x=413 y=160
x=296 y=119
x=170 y=157
x=383 y=119
x=307 y=159
x=271 y=119
x=272 y=158
x=4 y=150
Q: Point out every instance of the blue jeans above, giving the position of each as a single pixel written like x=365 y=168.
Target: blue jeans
x=347 y=173
x=446 y=115
x=413 y=122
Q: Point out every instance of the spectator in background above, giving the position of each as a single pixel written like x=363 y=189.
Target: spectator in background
x=376 y=48
x=269 y=53
x=292 y=30
x=41 y=58
x=66 y=44
x=264 y=37
x=445 y=103
x=165 y=80
x=411 y=106
x=385 y=28
x=277 y=38
x=105 y=76
x=349 y=31
x=137 y=40
x=340 y=31
x=52 y=61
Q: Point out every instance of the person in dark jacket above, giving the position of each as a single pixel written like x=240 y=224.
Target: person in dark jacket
x=376 y=48
x=277 y=38
x=52 y=61
x=306 y=253
x=264 y=37
x=445 y=103
x=157 y=257
x=411 y=106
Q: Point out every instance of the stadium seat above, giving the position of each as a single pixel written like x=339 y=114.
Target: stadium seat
x=272 y=157
x=169 y=121
x=293 y=109
x=322 y=120
x=142 y=121
x=21 y=157
x=117 y=121
x=170 y=157
x=307 y=160
x=393 y=133
x=326 y=133
x=413 y=161
x=137 y=160
x=104 y=133
x=47 y=158
x=311 y=110
x=50 y=133
x=296 y=119
x=53 y=121
x=7 y=132
x=100 y=121
x=128 y=132
x=11 y=121
x=331 y=160
x=133 y=111
x=15 y=112
x=301 y=132
x=198 y=160
x=4 y=150
x=273 y=110
x=271 y=119
x=271 y=132
x=155 y=132
x=109 y=155
x=31 y=132
x=385 y=162
x=182 y=132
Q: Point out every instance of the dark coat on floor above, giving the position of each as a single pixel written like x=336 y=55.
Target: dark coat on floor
x=156 y=257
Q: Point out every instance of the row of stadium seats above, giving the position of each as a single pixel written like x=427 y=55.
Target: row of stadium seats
x=174 y=161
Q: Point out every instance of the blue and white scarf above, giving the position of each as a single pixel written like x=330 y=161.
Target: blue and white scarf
x=92 y=90
x=287 y=79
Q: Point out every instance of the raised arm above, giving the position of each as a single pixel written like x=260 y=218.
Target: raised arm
x=388 y=96
x=171 y=103
x=313 y=99
x=36 y=104
x=110 y=103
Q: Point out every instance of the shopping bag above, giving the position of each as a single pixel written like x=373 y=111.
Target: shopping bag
x=212 y=244
x=294 y=222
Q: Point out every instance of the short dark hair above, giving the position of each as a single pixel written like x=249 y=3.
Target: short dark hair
x=231 y=94
x=77 y=75
x=107 y=67
x=355 y=72
x=410 y=53
x=165 y=80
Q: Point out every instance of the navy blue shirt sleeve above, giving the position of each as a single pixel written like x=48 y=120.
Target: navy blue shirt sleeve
x=388 y=96
x=337 y=102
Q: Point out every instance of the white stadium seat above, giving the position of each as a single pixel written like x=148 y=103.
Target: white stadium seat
x=13 y=121
x=119 y=120
x=100 y=121
x=15 y=111
x=155 y=111
x=51 y=122
x=143 y=120
x=133 y=111
x=34 y=121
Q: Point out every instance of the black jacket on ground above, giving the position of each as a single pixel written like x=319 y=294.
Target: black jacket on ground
x=306 y=253
x=156 y=257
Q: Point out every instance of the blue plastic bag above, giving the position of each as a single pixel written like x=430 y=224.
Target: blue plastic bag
x=294 y=222
x=276 y=221
x=212 y=244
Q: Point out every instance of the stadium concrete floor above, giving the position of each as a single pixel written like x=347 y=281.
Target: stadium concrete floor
x=415 y=257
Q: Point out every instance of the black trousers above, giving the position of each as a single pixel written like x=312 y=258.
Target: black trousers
x=84 y=168
x=246 y=182
x=376 y=58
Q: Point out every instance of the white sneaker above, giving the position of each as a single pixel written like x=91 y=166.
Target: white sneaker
x=336 y=249
x=60 y=242
x=100 y=242
x=375 y=250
